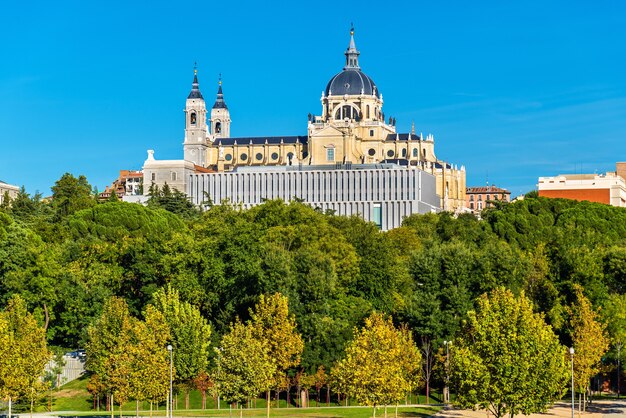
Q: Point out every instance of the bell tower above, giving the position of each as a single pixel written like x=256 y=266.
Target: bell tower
x=195 y=145
x=220 y=116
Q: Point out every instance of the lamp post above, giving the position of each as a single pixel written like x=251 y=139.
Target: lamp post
x=571 y=355
x=171 y=400
x=619 y=349
x=446 y=390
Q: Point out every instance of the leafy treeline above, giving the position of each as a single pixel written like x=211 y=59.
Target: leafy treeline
x=66 y=258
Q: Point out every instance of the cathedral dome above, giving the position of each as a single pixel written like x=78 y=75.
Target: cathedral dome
x=351 y=81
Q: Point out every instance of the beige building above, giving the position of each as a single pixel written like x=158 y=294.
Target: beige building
x=351 y=129
x=8 y=190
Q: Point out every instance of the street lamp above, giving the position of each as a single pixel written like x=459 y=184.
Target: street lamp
x=171 y=400
x=571 y=355
x=446 y=390
x=619 y=348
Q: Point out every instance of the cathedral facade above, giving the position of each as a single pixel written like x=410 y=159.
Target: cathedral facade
x=351 y=160
x=352 y=129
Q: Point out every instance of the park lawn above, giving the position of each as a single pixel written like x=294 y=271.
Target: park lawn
x=74 y=397
x=323 y=412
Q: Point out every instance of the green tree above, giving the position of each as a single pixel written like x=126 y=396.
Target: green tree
x=245 y=367
x=190 y=336
x=109 y=350
x=71 y=194
x=382 y=363
x=23 y=355
x=507 y=359
x=276 y=330
x=589 y=340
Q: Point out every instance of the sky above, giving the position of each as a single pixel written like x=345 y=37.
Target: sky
x=512 y=90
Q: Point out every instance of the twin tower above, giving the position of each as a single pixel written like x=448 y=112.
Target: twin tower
x=196 y=133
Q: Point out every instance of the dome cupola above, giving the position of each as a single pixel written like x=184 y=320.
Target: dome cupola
x=351 y=81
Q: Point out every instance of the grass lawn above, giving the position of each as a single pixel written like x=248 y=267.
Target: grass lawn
x=74 y=399
x=323 y=412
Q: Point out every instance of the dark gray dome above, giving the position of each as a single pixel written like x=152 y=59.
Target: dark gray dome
x=351 y=81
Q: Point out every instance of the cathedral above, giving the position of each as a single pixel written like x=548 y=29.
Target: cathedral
x=350 y=135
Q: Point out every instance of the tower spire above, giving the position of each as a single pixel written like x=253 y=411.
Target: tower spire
x=352 y=54
x=219 y=101
x=195 y=90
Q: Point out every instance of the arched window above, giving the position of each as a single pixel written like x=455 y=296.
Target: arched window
x=347 y=112
x=174 y=177
x=403 y=152
x=218 y=127
x=415 y=152
x=424 y=153
x=192 y=118
x=367 y=112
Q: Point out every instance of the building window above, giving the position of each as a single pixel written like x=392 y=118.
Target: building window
x=480 y=197
x=192 y=118
x=274 y=156
x=174 y=176
x=218 y=127
x=488 y=197
x=367 y=113
x=371 y=132
x=471 y=205
x=415 y=152
x=377 y=215
x=259 y=156
x=290 y=156
x=390 y=153
x=471 y=198
x=330 y=154
x=371 y=152
x=403 y=152
x=229 y=157
x=153 y=176
x=424 y=153
x=243 y=156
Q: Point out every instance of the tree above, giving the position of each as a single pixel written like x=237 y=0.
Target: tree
x=614 y=314
x=245 y=366
x=108 y=357
x=507 y=359
x=276 y=330
x=381 y=364
x=71 y=194
x=150 y=362
x=190 y=336
x=23 y=353
x=588 y=338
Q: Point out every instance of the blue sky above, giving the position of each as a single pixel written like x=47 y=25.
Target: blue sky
x=511 y=90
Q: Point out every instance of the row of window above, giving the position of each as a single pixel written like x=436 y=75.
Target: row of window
x=488 y=197
x=353 y=112
x=258 y=156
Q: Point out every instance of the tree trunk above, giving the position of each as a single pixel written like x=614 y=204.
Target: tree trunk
x=10 y=405
x=112 y=405
x=288 y=393
x=150 y=409
x=267 y=399
x=396 y=409
x=427 y=390
x=240 y=411
x=374 y=414
x=327 y=395
x=385 y=411
x=203 y=400
x=186 y=398
x=278 y=398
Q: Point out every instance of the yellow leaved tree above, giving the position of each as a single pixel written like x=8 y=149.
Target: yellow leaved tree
x=382 y=364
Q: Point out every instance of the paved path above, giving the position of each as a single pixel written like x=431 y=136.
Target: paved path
x=597 y=409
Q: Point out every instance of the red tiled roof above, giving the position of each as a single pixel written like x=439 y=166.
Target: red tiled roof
x=486 y=189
